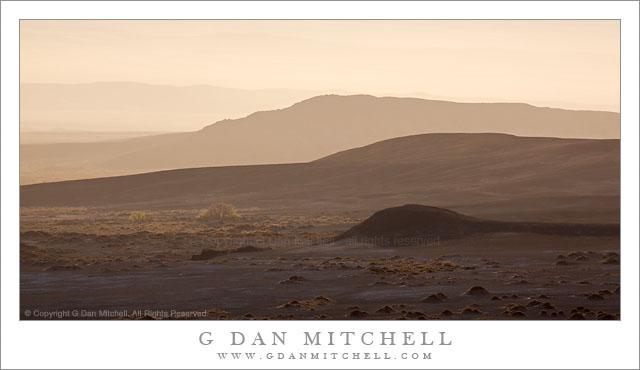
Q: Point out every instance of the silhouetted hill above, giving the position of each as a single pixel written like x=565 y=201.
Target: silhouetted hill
x=309 y=130
x=415 y=224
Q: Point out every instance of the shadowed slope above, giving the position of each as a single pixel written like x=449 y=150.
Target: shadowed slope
x=479 y=174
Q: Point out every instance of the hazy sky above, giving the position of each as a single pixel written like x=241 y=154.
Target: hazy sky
x=574 y=64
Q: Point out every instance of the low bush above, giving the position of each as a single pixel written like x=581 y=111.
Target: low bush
x=219 y=211
x=139 y=217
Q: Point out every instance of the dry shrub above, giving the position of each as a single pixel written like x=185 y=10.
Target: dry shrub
x=219 y=211
x=139 y=217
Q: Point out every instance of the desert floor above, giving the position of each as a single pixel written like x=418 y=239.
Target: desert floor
x=95 y=260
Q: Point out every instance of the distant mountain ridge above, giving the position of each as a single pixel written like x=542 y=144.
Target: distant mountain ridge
x=123 y=105
x=315 y=128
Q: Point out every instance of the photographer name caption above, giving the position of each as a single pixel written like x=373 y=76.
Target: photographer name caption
x=318 y=345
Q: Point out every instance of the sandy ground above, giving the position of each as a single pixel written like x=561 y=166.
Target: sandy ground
x=105 y=266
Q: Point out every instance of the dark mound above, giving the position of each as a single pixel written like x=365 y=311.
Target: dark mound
x=63 y=268
x=207 y=254
x=399 y=225
x=415 y=224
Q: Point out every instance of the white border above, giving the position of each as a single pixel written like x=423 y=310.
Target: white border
x=504 y=344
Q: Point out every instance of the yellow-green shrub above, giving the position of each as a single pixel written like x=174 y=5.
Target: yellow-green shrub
x=219 y=211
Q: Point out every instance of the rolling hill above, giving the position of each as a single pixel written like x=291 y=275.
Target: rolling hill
x=491 y=175
x=306 y=131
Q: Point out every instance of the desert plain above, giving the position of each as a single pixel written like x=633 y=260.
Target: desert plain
x=136 y=247
x=85 y=259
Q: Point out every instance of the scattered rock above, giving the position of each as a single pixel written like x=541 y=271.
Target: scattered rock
x=358 y=313
x=448 y=264
x=512 y=307
x=293 y=280
x=432 y=298
x=322 y=300
x=446 y=313
x=595 y=296
x=386 y=309
x=416 y=314
x=308 y=304
x=291 y=304
x=542 y=296
x=477 y=291
x=471 y=311
x=605 y=316
x=548 y=306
